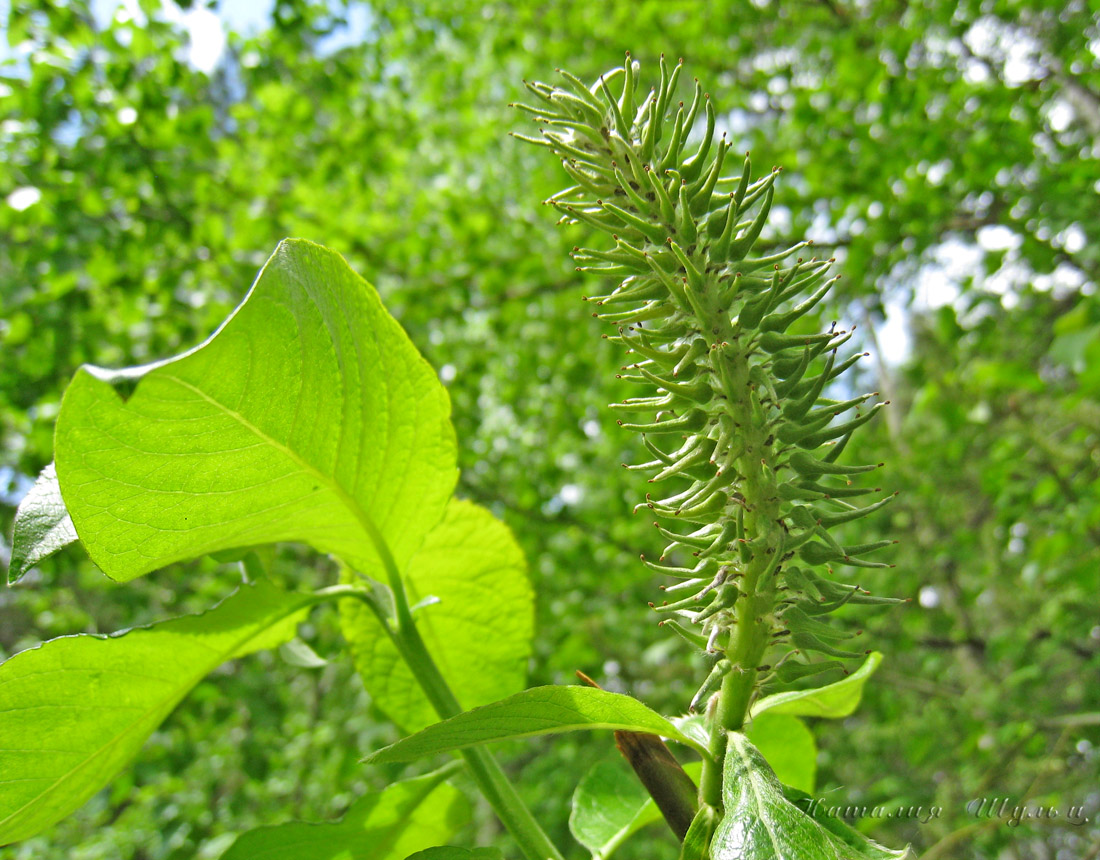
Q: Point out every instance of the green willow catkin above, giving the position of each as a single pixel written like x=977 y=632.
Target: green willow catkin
x=735 y=414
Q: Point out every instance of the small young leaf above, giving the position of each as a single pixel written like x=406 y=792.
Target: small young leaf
x=694 y=726
x=42 y=525
x=385 y=825
x=610 y=805
x=833 y=701
x=538 y=711
x=760 y=823
x=74 y=710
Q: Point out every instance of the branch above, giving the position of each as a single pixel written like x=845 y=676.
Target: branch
x=671 y=788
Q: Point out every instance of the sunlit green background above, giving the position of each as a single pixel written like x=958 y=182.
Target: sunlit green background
x=947 y=153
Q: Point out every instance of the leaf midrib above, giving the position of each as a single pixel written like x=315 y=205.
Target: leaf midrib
x=346 y=498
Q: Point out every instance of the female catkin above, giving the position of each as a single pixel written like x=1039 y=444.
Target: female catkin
x=741 y=428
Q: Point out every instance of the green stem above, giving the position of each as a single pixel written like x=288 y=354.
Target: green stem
x=491 y=780
x=756 y=465
x=733 y=702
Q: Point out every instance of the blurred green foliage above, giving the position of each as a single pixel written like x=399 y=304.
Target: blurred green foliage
x=142 y=193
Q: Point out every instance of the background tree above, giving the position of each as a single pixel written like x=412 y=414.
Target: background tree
x=946 y=153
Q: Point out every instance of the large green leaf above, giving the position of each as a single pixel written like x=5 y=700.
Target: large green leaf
x=477 y=619
x=760 y=823
x=308 y=416
x=610 y=805
x=836 y=825
x=834 y=701
x=42 y=525
x=538 y=711
x=448 y=852
x=387 y=825
x=74 y=710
